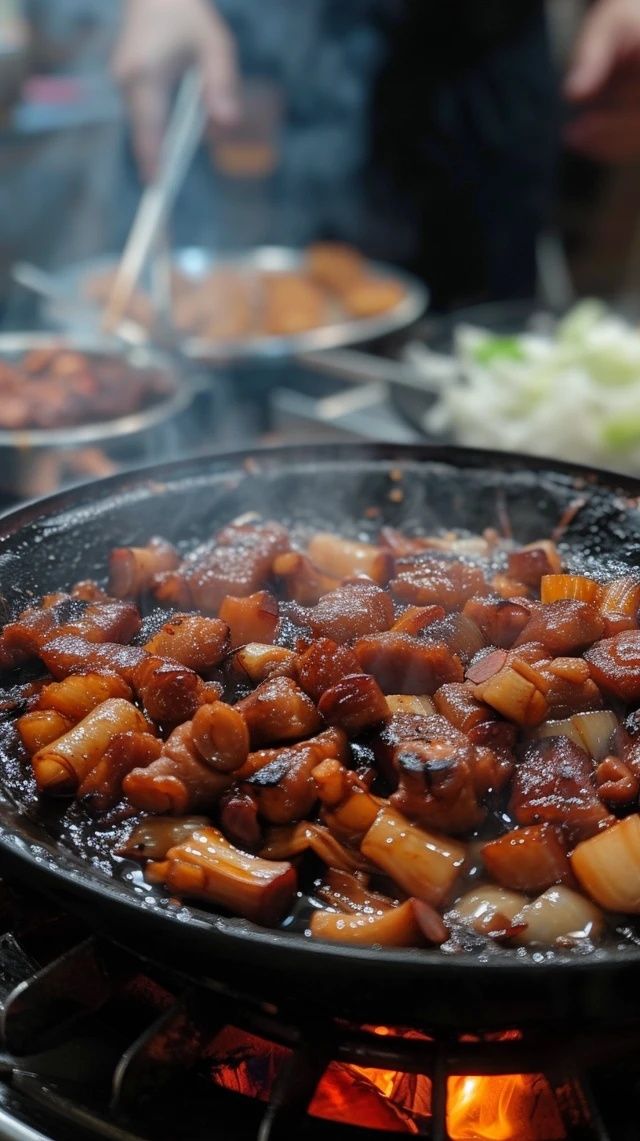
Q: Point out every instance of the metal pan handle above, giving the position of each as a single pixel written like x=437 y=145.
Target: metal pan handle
x=363 y=368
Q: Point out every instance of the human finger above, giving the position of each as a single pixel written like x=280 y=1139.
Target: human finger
x=594 y=55
x=147 y=99
x=218 y=64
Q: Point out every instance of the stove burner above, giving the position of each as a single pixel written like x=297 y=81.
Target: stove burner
x=101 y=1043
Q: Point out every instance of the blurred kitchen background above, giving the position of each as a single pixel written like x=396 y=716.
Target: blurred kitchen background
x=443 y=140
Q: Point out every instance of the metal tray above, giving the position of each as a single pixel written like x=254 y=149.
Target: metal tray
x=195 y=262
x=180 y=392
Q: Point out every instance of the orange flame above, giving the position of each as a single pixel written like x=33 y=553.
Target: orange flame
x=519 y=1107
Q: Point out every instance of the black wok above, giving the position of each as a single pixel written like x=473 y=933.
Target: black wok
x=55 y=542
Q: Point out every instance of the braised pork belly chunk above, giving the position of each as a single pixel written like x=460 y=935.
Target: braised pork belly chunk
x=394 y=740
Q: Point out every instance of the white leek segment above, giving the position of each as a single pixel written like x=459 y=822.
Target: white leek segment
x=480 y=906
x=608 y=866
x=558 y=912
x=593 y=731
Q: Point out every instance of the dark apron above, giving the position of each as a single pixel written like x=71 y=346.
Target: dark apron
x=466 y=145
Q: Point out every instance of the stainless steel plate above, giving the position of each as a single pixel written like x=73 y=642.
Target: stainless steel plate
x=195 y=263
x=180 y=392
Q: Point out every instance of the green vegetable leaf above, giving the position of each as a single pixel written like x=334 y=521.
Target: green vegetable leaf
x=498 y=348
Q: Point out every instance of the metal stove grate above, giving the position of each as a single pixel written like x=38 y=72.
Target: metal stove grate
x=101 y=1044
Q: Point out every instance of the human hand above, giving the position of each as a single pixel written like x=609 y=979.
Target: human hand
x=158 y=39
x=604 y=78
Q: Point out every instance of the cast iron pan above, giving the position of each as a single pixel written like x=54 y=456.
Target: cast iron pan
x=55 y=542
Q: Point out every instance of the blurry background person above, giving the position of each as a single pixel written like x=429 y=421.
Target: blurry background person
x=426 y=133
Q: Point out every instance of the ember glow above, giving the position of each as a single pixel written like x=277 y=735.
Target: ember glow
x=520 y=1107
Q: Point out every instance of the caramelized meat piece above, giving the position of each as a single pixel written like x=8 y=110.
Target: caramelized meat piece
x=34 y=626
x=459 y=633
x=415 y=619
x=569 y=688
x=435 y=786
x=355 y=703
x=102 y=787
x=528 y=859
x=563 y=627
x=69 y=654
x=500 y=620
x=330 y=743
x=133 y=569
x=351 y=611
x=500 y=737
x=278 y=710
x=615 y=665
x=258 y=662
x=96 y=622
x=324 y=664
x=617 y=783
x=400 y=728
x=192 y=640
x=443 y=777
x=401 y=664
x=208 y=867
x=238 y=562
x=106 y=622
x=251 y=619
x=456 y=701
x=440 y=581
x=301 y=580
x=285 y=789
x=554 y=783
x=169 y=692
x=530 y=563
x=179 y=781
x=170 y=589
x=239 y=818
x=221 y=736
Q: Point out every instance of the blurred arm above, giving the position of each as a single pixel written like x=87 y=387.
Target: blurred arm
x=604 y=79
x=158 y=39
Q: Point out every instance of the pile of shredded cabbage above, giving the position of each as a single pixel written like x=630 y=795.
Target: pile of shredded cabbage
x=570 y=391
